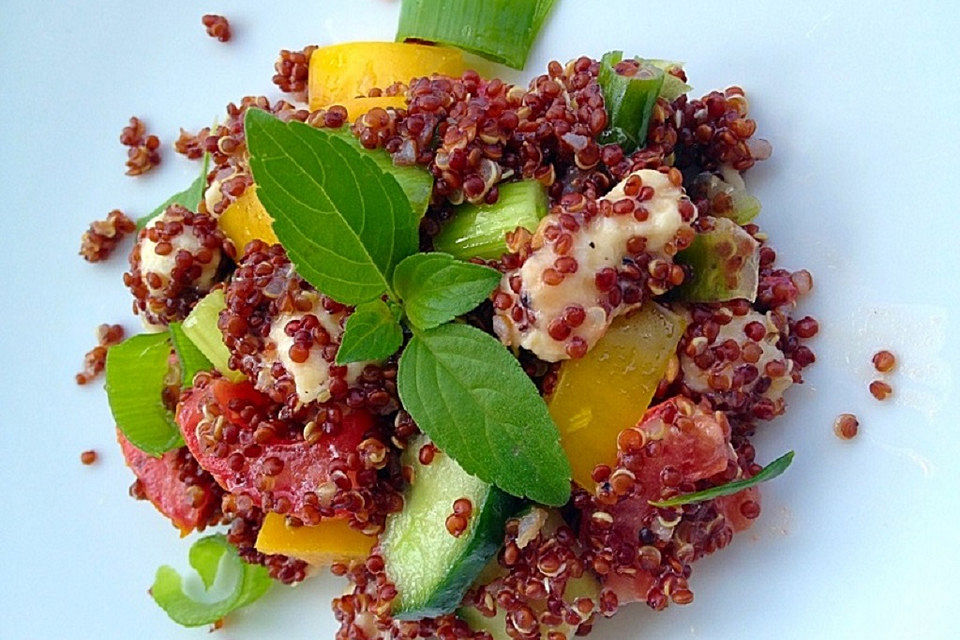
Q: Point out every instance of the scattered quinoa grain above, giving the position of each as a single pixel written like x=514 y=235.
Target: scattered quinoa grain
x=95 y=360
x=99 y=241
x=846 y=426
x=144 y=150
x=88 y=457
x=880 y=389
x=217 y=27
x=884 y=361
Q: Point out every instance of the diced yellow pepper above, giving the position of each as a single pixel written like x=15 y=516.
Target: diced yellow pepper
x=344 y=71
x=356 y=107
x=609 y=389
x=246 y=219
x=333 y=540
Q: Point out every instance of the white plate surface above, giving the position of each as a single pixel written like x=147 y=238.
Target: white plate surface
x=860 y=101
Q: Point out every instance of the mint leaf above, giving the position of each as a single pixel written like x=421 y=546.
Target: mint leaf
x=210 y=557
x=344 y=222
x=372 y=332
x=769 y=472
x=436 y=287
x=465 y=391
x=192 y=360
x=136 y=376
x=416 y=182
x=189 y=197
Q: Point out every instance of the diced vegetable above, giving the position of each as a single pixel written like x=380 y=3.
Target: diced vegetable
x=210 y=556
x=356 y=107
x=333 y=540
x=499 y=30
x=415 y=181
x=479 y=231
x=724 y=265
x=345 y=71
x=430 y=566
x=137 y=373
x=192 y=360
x=673 y=87
x=608 y=390
x=727 y=194
x=245 y=220
x=629 y=100
x=201 y=328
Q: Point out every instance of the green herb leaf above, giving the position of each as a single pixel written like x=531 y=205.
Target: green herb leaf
x=416 y=182
x=344 y=222
x=214 y=559
x=436 y=287
x=769 y=472
x=469 y=394
x=137 y=369
x=192 y=360
x=499 y=30
x=201 y=327
x=189 y=197
x=372 y=332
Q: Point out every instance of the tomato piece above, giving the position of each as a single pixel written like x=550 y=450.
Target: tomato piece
x=176 y=485
x=678 y=446
x=235 y=433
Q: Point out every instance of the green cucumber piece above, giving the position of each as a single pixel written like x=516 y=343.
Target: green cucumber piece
x=200 y=326
x=431 y=568
x=478 y=231
x=724 y=265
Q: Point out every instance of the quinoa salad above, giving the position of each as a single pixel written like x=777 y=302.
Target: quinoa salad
x=492 y=353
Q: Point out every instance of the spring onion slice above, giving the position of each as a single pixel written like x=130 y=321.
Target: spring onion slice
x=629 y=100
x=192 y=360
x=200 y=326
x=673 y=87
x=189 y=197
x=214 y=559
x=499 y=30
x=137 y=371
x=478 y=231
x=769 y=472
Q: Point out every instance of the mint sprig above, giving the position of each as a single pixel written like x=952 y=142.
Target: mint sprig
x=372 y=332
x=210 y=557
x=350 y=231
x=344 y=222
x=436 y=287
x=769 y=472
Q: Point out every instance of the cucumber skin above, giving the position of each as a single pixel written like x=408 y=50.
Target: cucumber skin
x=487 y=540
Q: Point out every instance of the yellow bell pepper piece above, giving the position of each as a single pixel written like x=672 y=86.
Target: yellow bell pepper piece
x=609 y=389
x=330 y=541
x=246 y=219
x=356 y=107
x=344 y=71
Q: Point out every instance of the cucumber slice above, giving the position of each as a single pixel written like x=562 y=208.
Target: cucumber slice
x=201 y=327
x=479 y=231
x=431 y=568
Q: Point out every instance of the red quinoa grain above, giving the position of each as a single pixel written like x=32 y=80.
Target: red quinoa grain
x=95 y=360
x=144 y=150
x=884 y=361
x=217 y=27
x=88 y=457
x=99 y=241
x=846 y=426
x=880 y=389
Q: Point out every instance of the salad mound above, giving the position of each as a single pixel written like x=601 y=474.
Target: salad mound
x=492 y=353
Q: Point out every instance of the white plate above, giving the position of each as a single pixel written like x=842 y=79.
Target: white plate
x=860 y=102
